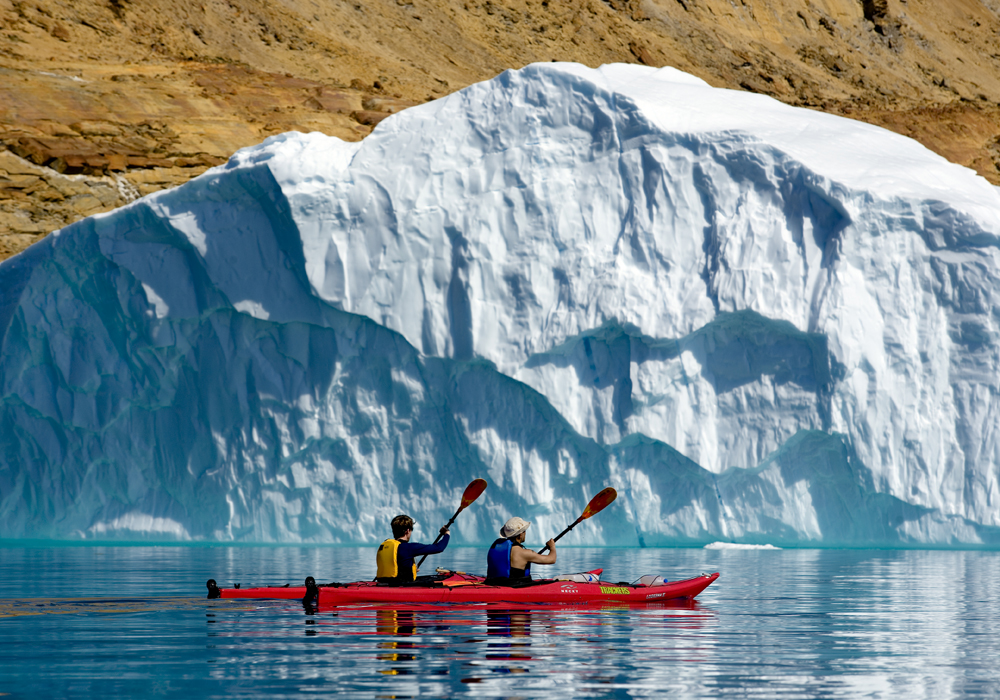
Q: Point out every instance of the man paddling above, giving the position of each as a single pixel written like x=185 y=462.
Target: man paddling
x=395 y=557
x=509 y=560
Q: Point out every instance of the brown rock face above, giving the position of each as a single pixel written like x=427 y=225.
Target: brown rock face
x=104 y=100
x=35 y=200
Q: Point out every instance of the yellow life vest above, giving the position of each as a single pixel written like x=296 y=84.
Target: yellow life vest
x=386 y=562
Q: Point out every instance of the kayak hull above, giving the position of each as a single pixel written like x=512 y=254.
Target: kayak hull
x=466 y=589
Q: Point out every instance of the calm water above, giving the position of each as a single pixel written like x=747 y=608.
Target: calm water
x=133 y=621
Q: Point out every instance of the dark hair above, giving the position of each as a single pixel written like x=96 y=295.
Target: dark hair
x=400 y=524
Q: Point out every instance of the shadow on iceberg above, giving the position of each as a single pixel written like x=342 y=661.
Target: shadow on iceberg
x=735 y=348
x=812 y=492
x=122 y=422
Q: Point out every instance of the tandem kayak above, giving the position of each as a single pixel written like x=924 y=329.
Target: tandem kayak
x=461 y=588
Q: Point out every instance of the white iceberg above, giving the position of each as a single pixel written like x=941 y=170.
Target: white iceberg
x=759 y=323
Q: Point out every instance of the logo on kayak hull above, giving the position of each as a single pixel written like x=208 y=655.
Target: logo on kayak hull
x=615 y=590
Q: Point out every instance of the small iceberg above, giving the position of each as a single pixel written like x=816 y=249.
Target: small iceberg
x=734 y=545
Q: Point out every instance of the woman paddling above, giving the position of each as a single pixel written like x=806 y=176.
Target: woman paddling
x=509 y=560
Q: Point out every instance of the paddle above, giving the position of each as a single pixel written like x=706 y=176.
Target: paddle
x=472 y=492
x=596 y=505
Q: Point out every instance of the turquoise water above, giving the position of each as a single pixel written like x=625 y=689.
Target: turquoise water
x=134 y=622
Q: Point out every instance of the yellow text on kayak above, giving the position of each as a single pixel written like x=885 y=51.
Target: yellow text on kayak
x=615 y=590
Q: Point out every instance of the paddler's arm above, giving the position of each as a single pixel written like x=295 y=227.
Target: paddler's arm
x=531 y=557
x=416 y=549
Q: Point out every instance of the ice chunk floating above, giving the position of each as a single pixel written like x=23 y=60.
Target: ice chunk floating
x=760 y=324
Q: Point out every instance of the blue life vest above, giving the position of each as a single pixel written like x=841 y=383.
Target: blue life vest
x=498 y=560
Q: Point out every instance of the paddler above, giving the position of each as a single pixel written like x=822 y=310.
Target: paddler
x=395 y=558
x=508 y=559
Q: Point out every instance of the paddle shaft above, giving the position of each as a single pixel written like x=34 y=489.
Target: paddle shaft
x=473 y=491
x=598 y=503
x=559 y=536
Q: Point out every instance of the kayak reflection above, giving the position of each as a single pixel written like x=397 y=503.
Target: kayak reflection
x=401 y=623
x=396 y=623
x=508 y=633
x=508 y=623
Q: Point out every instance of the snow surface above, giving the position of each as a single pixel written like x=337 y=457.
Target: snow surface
x=758 y=323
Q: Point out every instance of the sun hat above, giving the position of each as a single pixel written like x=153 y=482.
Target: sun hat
x=513 y=527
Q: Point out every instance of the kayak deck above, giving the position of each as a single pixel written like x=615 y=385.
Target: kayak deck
x=459 y=588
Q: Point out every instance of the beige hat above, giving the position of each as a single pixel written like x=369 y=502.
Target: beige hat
x=513 y=527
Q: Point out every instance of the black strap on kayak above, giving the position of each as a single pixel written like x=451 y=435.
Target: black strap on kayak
x=312 y=591
x=430 y=581
x=517 y=582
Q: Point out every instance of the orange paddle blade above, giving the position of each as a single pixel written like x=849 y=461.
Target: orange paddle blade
x=473 y=491
x=599 y=502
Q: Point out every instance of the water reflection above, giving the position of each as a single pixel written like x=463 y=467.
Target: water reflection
x=508 y=623
x=396 y=623
x=399 y=623
x=777 y=624
x=508 y=633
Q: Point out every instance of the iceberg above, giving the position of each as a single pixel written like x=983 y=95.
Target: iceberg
x=761 y=324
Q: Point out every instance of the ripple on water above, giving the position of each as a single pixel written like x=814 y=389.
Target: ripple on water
x=133 y=621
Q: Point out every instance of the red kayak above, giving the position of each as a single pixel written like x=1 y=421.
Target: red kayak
x=467 y=589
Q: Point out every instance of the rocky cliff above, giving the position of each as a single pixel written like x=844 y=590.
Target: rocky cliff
x=102 y=101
